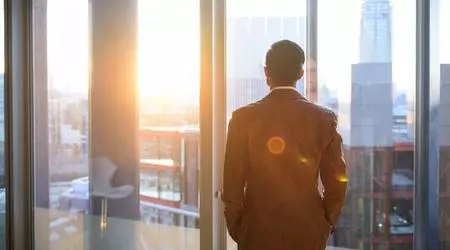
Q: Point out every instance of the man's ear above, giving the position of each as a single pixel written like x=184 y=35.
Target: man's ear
x=266 y=72
x=300 y=74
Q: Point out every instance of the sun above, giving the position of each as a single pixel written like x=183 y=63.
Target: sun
x=168 y=49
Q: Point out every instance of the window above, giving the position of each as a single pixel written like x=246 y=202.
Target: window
x=160 y=184
x=439 y=116
x=364 y=76
x=169 y=187
x=116 y=142
x=117 y=96
x=373 y=87
x=250 y=32
x=164 y=146
x=149 y=183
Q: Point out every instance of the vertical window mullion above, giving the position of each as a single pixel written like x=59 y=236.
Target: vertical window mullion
x=423 y=189
x=206 y=126
x=219 y=118
x=18 y=124
x=311 y=90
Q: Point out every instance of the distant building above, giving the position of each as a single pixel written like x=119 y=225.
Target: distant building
x=248 y=39
x=442 y=134
x=375 y=39
x=378 y=145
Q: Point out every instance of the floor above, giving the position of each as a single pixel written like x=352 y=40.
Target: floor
x=69 y=231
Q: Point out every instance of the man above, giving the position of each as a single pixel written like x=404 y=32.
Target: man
x=276 y=150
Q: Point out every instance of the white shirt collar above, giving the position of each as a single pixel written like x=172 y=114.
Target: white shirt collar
x=284 y=87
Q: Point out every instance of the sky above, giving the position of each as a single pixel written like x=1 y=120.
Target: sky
x=169 y=48
x=338 y=41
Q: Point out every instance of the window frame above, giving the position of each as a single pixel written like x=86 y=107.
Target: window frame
x=425 y=201
x=19 y=140
x=207 y=234
x=19 y=174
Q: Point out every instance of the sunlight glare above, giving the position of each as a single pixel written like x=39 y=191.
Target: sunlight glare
x=168 y=49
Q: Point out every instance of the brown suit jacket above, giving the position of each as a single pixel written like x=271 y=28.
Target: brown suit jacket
x=276 y=150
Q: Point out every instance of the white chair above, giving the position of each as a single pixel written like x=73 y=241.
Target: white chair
x=102 y=174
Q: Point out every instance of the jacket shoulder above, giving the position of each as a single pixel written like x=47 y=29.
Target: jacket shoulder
x=245 y=110
x=328 y=115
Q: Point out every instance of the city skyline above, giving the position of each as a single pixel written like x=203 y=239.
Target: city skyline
x=76 y=18
x=335 y=76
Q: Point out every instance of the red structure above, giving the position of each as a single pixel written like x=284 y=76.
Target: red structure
x=169 y=175
x=380 y=198
x=444 y=197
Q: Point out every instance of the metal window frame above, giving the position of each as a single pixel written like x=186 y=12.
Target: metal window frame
x=206 y=126
x=426 y=202
x=425 y=189
x=219 y=119
x=312 y=45
x=434 y=123
x=19 y=125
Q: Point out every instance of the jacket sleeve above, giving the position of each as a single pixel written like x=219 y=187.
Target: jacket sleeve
x=234 y=176
x=333 y=172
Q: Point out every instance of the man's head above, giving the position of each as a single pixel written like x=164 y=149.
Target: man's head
x=284 y=64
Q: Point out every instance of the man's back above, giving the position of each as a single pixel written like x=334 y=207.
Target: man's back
x=276 y=149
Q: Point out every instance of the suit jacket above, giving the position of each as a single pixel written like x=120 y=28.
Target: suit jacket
x=276 y=150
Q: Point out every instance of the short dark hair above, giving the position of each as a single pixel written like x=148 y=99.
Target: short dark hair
x=284 y=60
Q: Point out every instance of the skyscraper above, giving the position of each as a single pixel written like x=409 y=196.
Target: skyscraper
x=248 y=39
x=375 y=39
x=377 y=166
x=371 y=114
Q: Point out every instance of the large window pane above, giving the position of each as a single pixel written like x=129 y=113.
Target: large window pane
x=117 y=124
x=252 y=26
x=366 y=65
x=440 y=113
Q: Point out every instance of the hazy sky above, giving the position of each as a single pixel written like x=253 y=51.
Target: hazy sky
x=339 y=23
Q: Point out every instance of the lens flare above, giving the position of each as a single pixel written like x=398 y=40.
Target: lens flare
x=276 y=145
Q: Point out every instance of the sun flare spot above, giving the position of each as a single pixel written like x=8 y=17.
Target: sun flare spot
x=343 y=179
x=276 y=145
